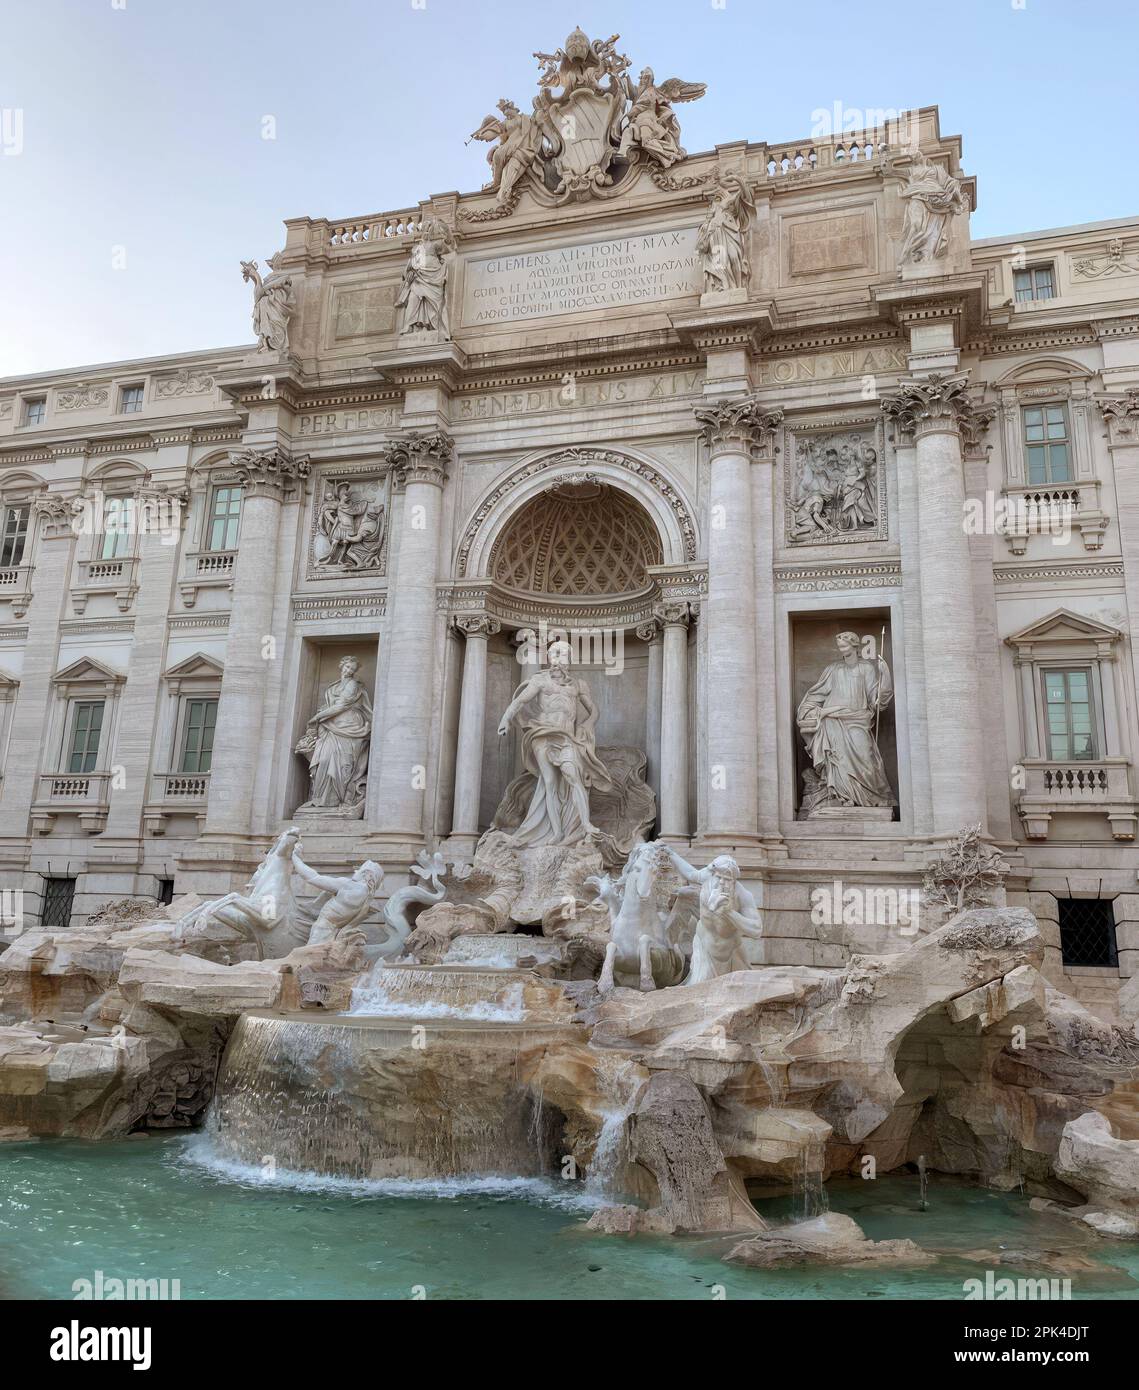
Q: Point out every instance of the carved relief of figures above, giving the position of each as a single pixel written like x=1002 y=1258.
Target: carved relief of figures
x=336 y=744
x=422 y=297
x=273 y=305
x=833 y=488
x=351 y=525
x=933 y=197
x=720 y=239
x=839 y=719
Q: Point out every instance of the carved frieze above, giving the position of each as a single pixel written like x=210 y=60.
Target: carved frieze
x=834 y=485
x=184 y=383
x=82 y=397
x=349 y=527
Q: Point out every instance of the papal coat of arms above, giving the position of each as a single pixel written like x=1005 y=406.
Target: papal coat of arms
x=589 y=124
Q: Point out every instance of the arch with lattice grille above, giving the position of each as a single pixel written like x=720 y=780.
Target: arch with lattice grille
x=578 y=521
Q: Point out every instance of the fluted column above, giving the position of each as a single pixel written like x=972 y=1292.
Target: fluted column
x=419 y=462
x=732 y=429
x=267 y=476
x=478 y=631
x=935 y=411
x=1121 y=415
x=650 y=634
x=674 y=721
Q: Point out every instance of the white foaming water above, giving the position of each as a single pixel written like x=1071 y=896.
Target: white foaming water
x=377 y=1002
x=199 y=1152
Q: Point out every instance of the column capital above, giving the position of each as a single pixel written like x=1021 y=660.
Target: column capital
x=268 y=472
x=419 y=458
x=737 y=426
x=477 y=625
x=938 y=403
x=649 y=631
x=675 y=613
x=1121 y=414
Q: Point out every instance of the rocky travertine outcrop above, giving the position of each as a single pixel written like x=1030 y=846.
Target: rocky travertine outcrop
x=671 y=1137
x=830 y=1239
x=1100 y=1165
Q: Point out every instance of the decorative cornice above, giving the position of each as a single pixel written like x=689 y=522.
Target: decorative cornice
x=739 y=425
x=419 y=458
x=268 y=472
x=1050 y=574
x=862 y=574
x=363 y=605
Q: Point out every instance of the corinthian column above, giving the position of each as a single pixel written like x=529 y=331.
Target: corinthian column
x=266 y=476
x=733 y=430
x=674 y=721
x=419 y=462
x=934 y=412
x=477 y=630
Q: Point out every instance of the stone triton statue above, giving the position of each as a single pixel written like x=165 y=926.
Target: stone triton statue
x=348 y=902
x=727 y=913
x=336 y=743
x=560 y=748
x=838 y=719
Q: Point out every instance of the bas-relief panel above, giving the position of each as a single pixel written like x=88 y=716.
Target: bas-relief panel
x=360 y=311
x=834 y=483
x=348 y=528
x=827 y=243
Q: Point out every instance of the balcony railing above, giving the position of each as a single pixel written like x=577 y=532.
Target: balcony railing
x=16 y=587
x=85 y=794
x=176 y=793
x=118 y=577
x=1101 y=786
x=206 y=569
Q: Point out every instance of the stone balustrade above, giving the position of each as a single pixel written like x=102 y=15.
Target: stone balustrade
x=1102 y=787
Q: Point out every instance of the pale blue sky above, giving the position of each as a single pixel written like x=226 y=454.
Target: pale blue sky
x=142 y=125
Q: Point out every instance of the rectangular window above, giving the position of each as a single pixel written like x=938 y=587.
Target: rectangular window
x=118 y=523
x=1087 y=931
x=86 y=729
x=35 y=410
x=224 y=519
x=59 y=895
x=198 y=735
x=1047 y=444
x=1068 y=711
x=165 y=891
x=130 y=400
x=1035 y=282
x=15 y=534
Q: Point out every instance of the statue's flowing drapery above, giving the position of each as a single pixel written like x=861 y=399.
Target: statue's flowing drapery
x=837 y=717
x=562 y=748
x=339 y=761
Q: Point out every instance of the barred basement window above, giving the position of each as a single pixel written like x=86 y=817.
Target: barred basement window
x=59 y=895
x=1087 y=931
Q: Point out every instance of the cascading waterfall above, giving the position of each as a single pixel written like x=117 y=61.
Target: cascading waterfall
x=438 y=992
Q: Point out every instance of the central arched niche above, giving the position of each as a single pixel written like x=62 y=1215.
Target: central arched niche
x=577 y=539
x=580 y=539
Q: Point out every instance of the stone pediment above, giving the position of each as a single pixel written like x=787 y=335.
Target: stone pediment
x=90 y=676
x=1063 y=630
x=199 y=666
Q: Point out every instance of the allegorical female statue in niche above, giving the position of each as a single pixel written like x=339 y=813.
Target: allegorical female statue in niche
x=838 y=719
x=336 y=744
x=933 y=197
x=422 y=297
x=720 y=238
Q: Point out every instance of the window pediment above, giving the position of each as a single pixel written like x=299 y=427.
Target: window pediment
x=1065 y=635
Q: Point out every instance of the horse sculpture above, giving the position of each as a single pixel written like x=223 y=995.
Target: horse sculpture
x=639 y=951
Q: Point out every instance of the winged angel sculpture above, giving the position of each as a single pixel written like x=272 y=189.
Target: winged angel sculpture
x=589 y=123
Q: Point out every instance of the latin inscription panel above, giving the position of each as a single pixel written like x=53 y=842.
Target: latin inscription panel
x=584 y=275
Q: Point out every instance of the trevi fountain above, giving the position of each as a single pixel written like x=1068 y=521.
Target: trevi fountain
x=614 y=881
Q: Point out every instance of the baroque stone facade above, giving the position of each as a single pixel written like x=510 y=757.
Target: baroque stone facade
x=705 y=413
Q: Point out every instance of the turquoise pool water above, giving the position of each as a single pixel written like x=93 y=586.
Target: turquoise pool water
x=162 y=1208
